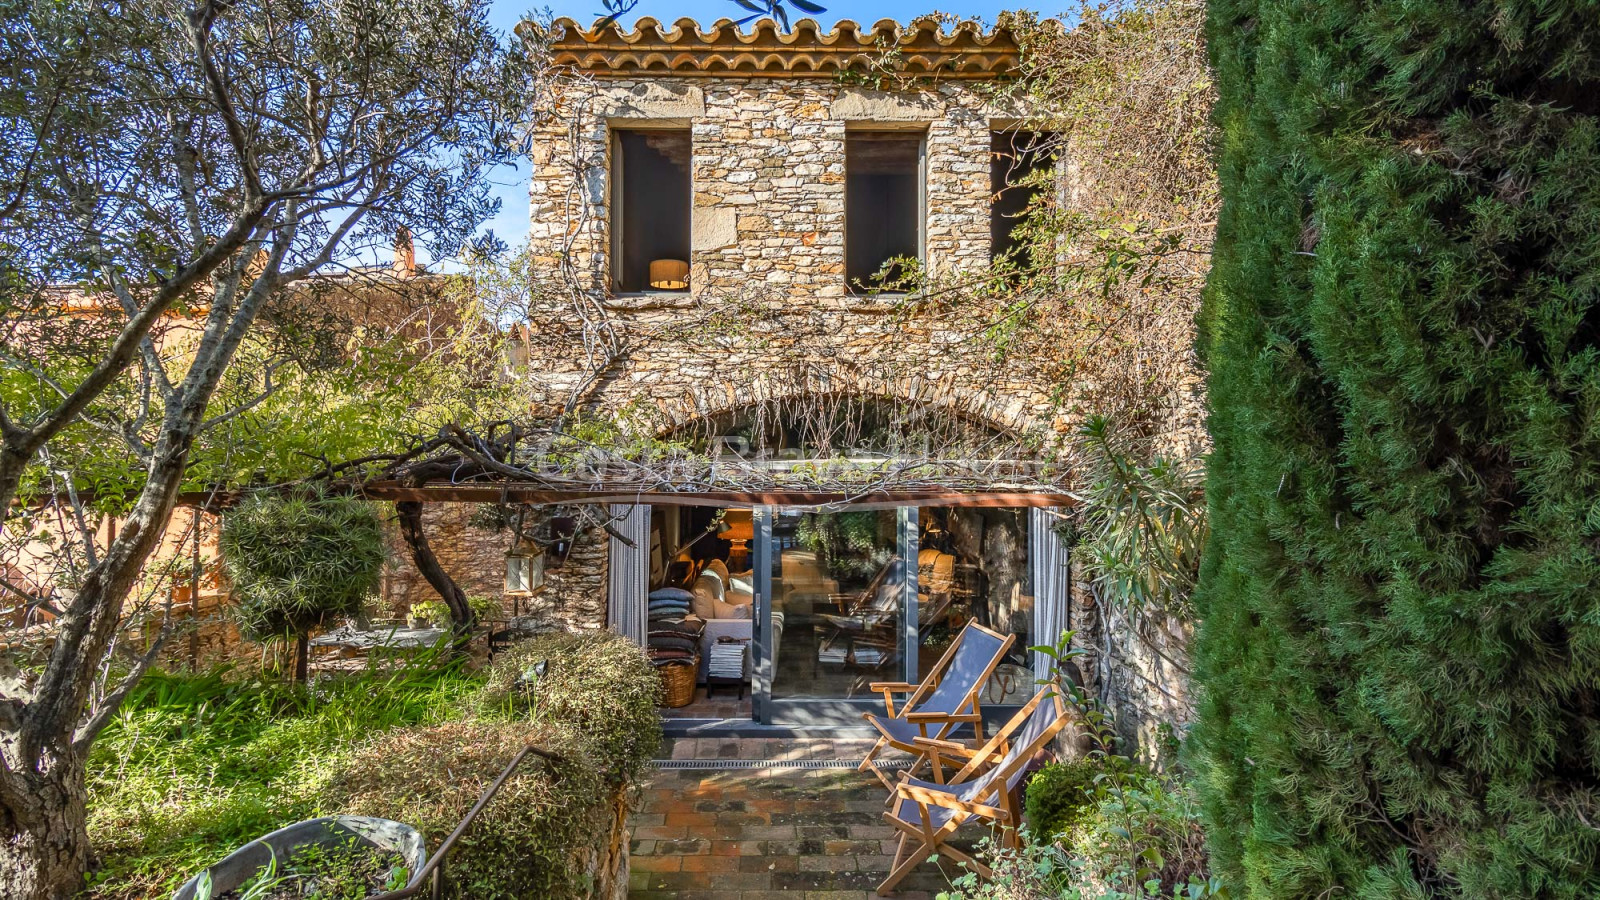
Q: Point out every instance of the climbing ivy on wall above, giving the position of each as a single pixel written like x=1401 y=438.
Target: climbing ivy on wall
x=1400 y=638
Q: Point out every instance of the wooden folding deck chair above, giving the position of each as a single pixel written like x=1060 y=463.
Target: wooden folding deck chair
x=865 y=620
x=927 y=813
x=946 y=699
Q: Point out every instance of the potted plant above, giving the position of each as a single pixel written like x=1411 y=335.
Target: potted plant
x=330 y=856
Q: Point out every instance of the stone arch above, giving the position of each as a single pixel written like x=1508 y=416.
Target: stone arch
x=1012 y=416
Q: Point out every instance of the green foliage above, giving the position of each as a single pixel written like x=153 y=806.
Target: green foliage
x=345 y=870
x=293 y=562
x=1061 y=795
x=435 y=612
x=848 y=544
x=1143 y=525
x=599 y=685
x=595 y=705
x=195 y=766
x=524 y=844
x=1137 y=836
x=1400 y=618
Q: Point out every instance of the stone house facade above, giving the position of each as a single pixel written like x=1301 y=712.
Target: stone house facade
x=768 y=316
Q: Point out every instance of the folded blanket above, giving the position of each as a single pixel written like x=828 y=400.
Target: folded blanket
x=664 y=603
x=687 y=627
x=669 y=657
x=669 y=641
x=671 y=593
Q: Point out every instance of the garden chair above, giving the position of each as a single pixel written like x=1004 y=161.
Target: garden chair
x=946 y=699
x=927 y=813
x=866 y=620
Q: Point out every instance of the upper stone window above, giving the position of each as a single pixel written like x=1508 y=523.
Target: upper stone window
x=650 y=197
x=1021 y=163
x=883 y=204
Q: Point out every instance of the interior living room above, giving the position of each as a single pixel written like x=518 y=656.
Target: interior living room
x=832 y=615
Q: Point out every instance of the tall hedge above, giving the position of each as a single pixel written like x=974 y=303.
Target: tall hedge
x=1400 y=649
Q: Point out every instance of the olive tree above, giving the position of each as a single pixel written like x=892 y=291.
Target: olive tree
x=175 y=162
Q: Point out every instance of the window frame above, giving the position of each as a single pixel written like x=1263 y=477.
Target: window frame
x=616 y=202
x=919 y=132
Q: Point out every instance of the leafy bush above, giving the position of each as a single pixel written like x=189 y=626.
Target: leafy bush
x=595 y=704
x=293 y=562
x=1400 y=623
x=435 y=612
x=525 y=843
x=1062 y=795
x=599 y=685
x=1138 y=837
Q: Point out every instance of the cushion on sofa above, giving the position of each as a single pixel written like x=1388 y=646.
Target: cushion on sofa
x=718 y=568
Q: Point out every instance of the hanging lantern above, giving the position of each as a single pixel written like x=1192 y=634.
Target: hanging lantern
x=524 y=570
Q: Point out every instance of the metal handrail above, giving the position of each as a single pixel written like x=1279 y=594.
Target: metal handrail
x=431 y=871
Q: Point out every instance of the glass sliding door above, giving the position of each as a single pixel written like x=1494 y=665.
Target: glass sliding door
x=838 y=597
x=974 y=565
x=847 y=598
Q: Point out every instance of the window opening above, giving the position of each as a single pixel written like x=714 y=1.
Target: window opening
x=1018 y=163
x=650 y=209
x=882 y=202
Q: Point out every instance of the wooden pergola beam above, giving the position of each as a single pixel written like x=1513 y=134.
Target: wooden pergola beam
x=503 y=493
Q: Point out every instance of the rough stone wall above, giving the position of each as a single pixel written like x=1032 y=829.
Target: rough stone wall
x=475 y=557
x=768 y=313
x=1142 y=673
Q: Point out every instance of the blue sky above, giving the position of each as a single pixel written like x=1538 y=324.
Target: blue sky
x=511 y=225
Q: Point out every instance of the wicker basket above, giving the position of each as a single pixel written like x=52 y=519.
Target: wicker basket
x=677 y=682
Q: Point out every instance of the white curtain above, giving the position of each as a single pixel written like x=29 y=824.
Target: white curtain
x=629 y=579
x=1052 y=585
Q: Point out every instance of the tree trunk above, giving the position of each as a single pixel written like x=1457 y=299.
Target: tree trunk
x=409 y=513
x=302 y=648
x=44 y=839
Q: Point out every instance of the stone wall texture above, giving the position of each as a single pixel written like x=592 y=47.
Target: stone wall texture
x=475 y=557
x=768 y=315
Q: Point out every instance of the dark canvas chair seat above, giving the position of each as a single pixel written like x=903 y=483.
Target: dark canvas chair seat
x=928 y=813
x=946 y=699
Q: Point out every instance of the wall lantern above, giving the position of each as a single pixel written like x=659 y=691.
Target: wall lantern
x=524 y=571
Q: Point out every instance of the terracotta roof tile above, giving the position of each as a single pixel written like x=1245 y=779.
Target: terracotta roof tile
x=606 y=49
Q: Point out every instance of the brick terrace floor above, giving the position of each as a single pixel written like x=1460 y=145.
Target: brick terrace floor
x=751 y=834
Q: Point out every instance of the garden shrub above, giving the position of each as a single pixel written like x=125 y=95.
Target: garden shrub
x=1061 y=795
x=295 y=562
x=526 y=843
x=595 y=705
x=1399 y=648
x=598 y=684
x=1138 y=836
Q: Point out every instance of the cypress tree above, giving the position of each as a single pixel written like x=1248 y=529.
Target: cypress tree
x=1399 y=654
